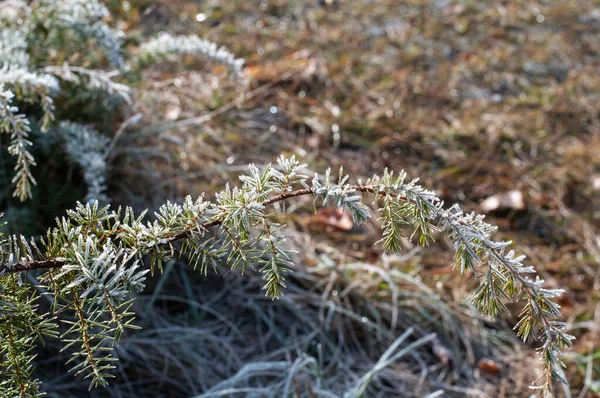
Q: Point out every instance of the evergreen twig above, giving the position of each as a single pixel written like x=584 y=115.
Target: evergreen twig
x=98 y=251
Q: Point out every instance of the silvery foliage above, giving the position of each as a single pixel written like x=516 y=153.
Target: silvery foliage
x=67 y=23
x=88 y=148
x=92 y=79
x=31 y=87
x=13 y=47
x=23 y=82
x=17 y=126
x=94 y=256
x=506 y=277
x=86 y=19
x=17 y=82
x=165 y=45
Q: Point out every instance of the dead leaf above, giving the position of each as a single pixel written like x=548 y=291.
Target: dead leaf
x=489 y=366
x=335 y=218
x=173 y=113
x=502 y=201
x=596 y=183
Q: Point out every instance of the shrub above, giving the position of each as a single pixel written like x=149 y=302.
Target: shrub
x=95 y=260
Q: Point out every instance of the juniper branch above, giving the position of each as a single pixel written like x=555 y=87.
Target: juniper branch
x=241 y=210
x=55 y=263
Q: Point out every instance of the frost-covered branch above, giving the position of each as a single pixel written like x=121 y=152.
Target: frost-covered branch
x=86 y=19
x=246 y=235
x=13 y=47
x=166 y=45
x=88 y=148
x=17 y=126
x=93 y=79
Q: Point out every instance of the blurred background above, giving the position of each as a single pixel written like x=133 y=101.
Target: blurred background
x=494 y=105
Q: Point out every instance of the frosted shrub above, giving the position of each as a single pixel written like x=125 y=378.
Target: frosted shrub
x=96 y=259
x=31 y=34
